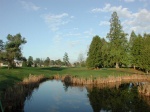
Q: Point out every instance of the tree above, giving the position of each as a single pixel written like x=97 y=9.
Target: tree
x=1 y=49
x=13 y=48
x=136 y=50
x=37 y=62
x=24 y=63
x=81 y=59
x=118 y=41
x=1 y=46
x=144 y=61
x=47 y=62
x=66 y=59
x=94 y=56
x=132 y=43
x=30 y=61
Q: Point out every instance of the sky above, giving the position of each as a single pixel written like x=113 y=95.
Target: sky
x=53 y=27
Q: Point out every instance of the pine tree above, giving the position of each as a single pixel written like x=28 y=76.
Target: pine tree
x=94 y=55
x=66 y=59
x=133 y=37
x=136 y=51
x=118 y=42
x=144 y=62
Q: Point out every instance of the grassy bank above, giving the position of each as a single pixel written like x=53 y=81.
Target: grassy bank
x=9 y=77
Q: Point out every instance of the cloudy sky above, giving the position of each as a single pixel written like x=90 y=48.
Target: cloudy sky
x=53 y=27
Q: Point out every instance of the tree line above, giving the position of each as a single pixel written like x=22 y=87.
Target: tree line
x=38 y=62
x=118 y=51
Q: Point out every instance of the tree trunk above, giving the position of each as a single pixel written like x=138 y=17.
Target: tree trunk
x=134 y=67
x=117 y=66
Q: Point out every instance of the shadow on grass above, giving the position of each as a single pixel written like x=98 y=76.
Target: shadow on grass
x=9 y=81
x=54 y=68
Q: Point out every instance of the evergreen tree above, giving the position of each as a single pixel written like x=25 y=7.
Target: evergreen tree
x=145 y=53
x=30 y=61
x=133 y=37
x=66 y=59
x=118 y=42
x=136 y=51
x=94 y=55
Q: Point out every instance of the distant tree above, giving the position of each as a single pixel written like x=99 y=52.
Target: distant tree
x=81 y=59
x=1 y=45
x=47 y=62
x=66 y=59
x=13 y=48
x=58 y=62
x=37 y=61
x=1 y=49
x=118 y=42
x=24 y=63
x=52 y=62
x=94 y=56
x=30 y=61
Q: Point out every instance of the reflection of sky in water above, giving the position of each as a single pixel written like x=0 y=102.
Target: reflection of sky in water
x=53 y=97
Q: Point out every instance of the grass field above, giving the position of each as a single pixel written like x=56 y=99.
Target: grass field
x=12 y=76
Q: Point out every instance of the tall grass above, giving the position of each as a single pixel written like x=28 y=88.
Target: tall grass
x=101 y=80
x=15 y=96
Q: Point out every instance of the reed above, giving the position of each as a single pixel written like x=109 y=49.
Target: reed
x=15 y=96
x=144 y=89
x=99 y=80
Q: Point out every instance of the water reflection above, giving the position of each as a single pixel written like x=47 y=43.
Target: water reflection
x=54 y=96
x=122 y=99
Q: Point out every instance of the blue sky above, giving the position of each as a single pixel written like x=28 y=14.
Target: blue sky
x=53 y=27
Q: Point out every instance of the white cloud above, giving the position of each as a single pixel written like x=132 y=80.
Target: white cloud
x=138 y=21
x=122 y=12
x=54 y=21
x=29 y=6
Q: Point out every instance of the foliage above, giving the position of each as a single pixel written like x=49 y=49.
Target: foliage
x=66 y=59
x=30 y=61
x=94 y=56
x=118 y=41
x=13 y=48
x=24 y=63
x=47 y=62
x=1 y=45
x=144 y=59
x=81 y=59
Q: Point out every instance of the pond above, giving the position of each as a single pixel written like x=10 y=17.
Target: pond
x=55 y=96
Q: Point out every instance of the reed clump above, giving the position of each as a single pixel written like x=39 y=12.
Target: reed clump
x=99 y=80
x=15 y=96
x=144 y=89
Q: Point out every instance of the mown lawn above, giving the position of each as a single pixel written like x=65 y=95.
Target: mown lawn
x=12 y=76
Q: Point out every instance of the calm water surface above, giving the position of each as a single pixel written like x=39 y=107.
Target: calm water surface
x=54 y=96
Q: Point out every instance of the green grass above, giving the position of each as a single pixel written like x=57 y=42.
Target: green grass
x=12 y=76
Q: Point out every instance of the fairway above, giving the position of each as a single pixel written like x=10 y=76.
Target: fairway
x=12 y=76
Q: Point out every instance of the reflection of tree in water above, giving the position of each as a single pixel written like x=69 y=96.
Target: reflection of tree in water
x=122 y=99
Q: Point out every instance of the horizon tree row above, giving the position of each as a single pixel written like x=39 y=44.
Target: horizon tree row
x=118 y=51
